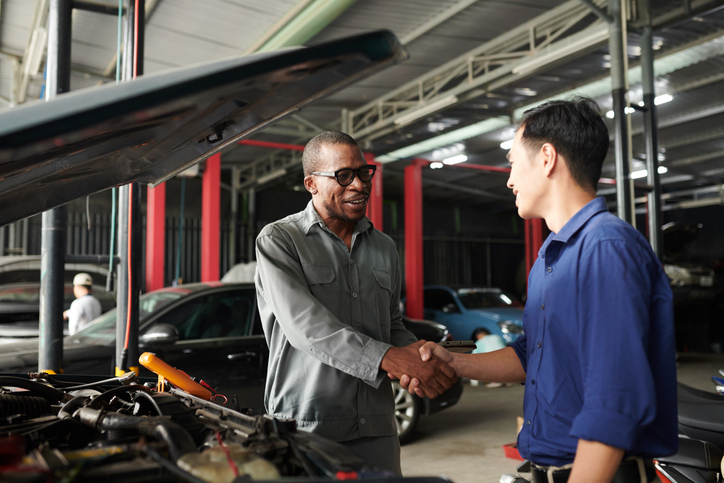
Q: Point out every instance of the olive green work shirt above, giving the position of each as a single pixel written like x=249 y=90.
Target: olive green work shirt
x=329 y=316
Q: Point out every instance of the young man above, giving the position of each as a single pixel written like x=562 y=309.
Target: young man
x=85 y=308
x=598 y=354
x=328 y=287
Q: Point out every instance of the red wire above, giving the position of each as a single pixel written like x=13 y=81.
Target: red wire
x=135 y=40
x=234 y=469
x=130 y=191
x=130 y=266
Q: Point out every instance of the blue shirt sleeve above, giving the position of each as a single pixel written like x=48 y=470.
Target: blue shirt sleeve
x=618 y=384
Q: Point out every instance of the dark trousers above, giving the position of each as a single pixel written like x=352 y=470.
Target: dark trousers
x=628 y=472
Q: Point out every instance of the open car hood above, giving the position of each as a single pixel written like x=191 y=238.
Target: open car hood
x=154 y=127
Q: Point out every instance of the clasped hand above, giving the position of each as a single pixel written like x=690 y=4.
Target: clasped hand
x=421 y=368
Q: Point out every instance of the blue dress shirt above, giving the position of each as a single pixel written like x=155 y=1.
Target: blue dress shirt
x=599 y=349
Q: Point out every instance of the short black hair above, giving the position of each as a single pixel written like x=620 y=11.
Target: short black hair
x=576 y=129
x=310 y=156
x=480 y=330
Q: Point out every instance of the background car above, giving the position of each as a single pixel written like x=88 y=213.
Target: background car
x=213 y=332
x=464 y=310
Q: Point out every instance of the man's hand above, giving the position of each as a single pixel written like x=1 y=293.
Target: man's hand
x=432 y=376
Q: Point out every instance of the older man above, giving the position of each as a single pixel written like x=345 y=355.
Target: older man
x=328 y=285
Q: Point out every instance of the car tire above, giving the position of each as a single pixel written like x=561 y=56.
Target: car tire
x=407 y=412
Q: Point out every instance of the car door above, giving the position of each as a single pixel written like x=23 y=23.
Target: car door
x=217 y=342
x=441 y=306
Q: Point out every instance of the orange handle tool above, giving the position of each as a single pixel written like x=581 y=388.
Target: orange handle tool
x=176 y=377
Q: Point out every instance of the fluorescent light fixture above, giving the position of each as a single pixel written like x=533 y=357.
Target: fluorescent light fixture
x=663 y=99
x=642 y=173
x=270 y=176
x=460 y=158
x=436 y=165
x=455 y=136
x=506 y=144
x=416 y=113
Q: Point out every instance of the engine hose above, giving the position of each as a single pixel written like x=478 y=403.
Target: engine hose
x=31 y=406
x=177 y=439
x=34 y=388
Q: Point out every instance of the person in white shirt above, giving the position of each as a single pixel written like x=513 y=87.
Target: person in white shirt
x=85 y=308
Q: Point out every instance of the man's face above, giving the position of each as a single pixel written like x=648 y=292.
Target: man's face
x=345 y=203
x=526 y=177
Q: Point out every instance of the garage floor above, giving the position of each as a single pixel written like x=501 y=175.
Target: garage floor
x=465 y=442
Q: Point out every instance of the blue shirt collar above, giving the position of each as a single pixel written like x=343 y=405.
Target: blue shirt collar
x=592 y=208
x=312 y=218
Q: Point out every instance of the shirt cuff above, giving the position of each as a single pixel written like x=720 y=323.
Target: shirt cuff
x=605 y=426
x=374 y=352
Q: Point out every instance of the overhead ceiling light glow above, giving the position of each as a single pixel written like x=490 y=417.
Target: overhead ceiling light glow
x=629 y=110
x=436 y=165
x=642 y=173
x=663 y=99
x=460 y=158
x=506 y=144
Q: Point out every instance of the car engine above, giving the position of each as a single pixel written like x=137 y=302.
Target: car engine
x=85 y=428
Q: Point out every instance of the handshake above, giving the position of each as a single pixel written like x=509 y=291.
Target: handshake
x=423 y=368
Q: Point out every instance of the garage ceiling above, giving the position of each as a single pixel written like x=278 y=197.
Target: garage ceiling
x=474 y=67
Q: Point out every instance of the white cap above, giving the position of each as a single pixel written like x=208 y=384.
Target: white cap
x=83 y=279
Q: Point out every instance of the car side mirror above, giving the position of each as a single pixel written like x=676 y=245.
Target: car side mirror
x=450 y=308
x=160 y=334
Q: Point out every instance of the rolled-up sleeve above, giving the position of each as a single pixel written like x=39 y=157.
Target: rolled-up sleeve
x=618 y=384
x=307 y=324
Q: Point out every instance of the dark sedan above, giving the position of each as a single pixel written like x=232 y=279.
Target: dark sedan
x=213 y=332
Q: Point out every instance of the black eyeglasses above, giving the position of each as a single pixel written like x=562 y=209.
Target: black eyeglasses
x=345 y=176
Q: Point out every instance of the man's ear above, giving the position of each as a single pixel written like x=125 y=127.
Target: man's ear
x=309 y=184
x=550 y=159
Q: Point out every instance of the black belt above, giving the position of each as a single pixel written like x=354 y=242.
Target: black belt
x=628 y=472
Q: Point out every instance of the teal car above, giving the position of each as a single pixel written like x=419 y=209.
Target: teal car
x=464 y=310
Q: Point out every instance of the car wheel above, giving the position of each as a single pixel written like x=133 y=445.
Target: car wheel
x=407 y=412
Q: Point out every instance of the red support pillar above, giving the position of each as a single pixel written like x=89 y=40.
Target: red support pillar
x=414 y=269
x=210 y=219
x=374 y=206
x=533 y=242
x=155 y=236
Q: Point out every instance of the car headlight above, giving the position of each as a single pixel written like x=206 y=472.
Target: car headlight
x=510 y=327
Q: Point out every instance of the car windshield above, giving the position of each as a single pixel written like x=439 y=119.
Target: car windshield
x=104 y=328
x=486 y=299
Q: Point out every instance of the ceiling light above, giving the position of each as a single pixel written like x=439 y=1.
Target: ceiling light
x=413 y=114
x=436 y=165
x=460 y=158
x=642 y=173
x=663 y=99
x=610 y=114
x=457 y=135
x=506 y=144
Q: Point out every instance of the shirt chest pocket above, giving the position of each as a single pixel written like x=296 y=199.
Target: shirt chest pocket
x=321 y=281
x=383 y=299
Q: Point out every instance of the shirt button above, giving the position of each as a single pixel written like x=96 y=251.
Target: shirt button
x=351 y=261
x=532 y=381
x=542 y=306
x=550 y=269
x=354 y=295
x=527 y=423
x=362 y=421
x=539 y=344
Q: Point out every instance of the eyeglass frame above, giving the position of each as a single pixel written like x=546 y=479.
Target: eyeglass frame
x=355 y=173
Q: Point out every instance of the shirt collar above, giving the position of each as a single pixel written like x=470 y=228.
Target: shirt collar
x=312 y=218
x=572 y=226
